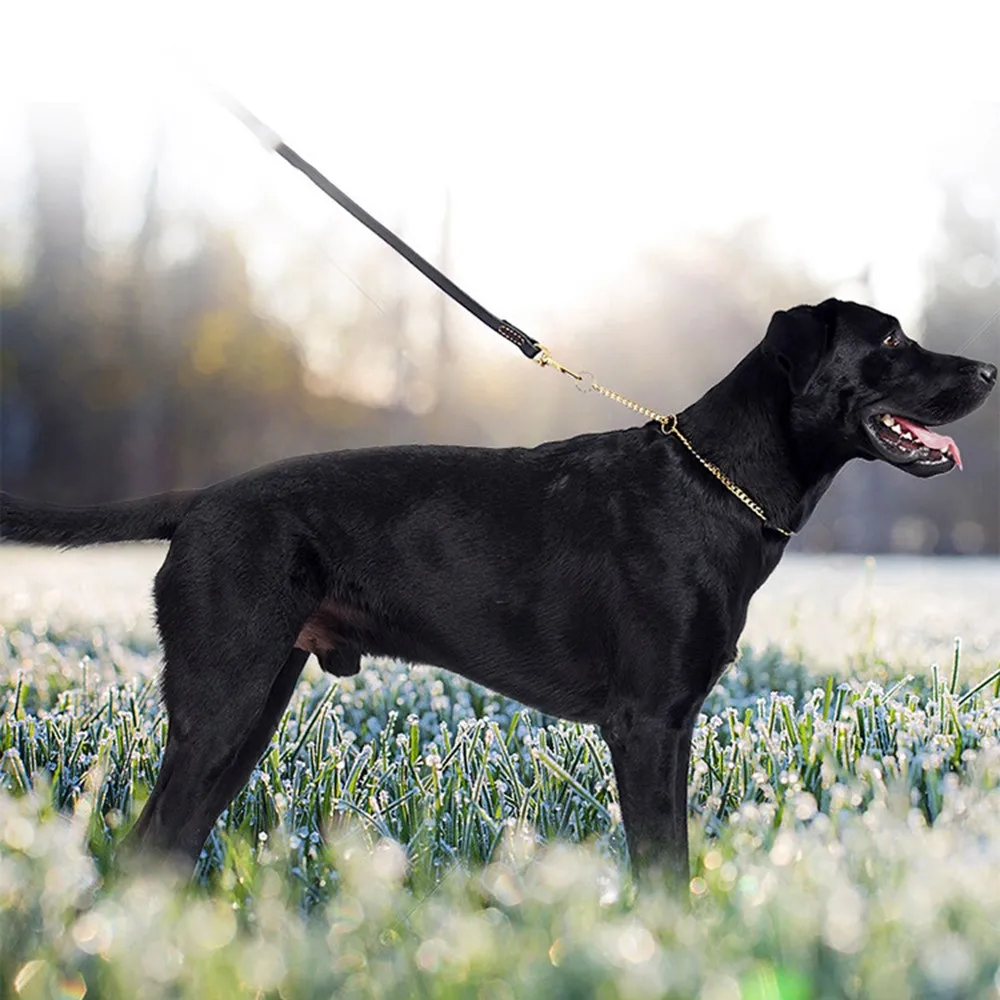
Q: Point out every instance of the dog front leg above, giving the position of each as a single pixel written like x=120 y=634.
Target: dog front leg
x=651 y=757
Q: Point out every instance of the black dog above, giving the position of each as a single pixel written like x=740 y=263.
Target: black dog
x=604 y=579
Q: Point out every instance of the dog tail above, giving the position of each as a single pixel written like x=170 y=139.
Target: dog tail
x=126 y=521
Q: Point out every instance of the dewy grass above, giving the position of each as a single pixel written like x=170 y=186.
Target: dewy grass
x=408 y=833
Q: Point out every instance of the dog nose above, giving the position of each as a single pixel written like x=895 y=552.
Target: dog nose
x=988 y=373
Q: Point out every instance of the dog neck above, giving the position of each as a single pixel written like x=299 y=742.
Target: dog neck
x=772 y=458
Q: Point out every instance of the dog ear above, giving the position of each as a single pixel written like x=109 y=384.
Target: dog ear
x=797 y=339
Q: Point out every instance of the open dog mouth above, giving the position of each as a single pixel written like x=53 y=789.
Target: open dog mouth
x=903 y=442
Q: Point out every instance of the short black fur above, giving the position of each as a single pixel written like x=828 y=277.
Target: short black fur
x=604 y=578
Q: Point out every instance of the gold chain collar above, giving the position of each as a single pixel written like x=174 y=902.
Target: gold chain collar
x=586 y=382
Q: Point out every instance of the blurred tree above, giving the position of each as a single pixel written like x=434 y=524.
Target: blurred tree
x=127 y=374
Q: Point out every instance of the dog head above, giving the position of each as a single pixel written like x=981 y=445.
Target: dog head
x=864 y=388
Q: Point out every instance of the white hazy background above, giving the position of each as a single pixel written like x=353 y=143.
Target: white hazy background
x=573 y=137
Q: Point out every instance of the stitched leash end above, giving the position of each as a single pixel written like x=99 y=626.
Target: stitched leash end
x=528 y=346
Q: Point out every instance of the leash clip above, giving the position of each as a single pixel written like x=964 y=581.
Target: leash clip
x=543 y=359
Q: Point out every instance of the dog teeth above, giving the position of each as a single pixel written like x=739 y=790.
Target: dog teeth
x=907 y=435
x=886 y=419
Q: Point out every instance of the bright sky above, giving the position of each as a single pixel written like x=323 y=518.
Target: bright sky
x=573 y=136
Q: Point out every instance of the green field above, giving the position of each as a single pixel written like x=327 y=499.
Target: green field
x=409 y=834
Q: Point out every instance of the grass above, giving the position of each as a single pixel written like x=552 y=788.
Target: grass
x=410 y=834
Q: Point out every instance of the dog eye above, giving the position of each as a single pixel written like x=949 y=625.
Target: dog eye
x=892 y=340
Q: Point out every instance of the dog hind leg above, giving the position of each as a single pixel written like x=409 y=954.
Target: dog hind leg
x=229 y=671
x=205 y=766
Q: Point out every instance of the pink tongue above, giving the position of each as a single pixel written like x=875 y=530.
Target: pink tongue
x=941 y=442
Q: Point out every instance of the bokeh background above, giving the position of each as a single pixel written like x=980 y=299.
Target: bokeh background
x=178 y=306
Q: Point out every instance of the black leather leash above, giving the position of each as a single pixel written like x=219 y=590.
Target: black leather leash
x=528 y=346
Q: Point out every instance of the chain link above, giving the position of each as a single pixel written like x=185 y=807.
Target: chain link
x=668 y=424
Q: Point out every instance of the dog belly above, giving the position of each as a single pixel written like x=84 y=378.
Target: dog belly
x=555 y=696
x=337 y=634
x=578 y=693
